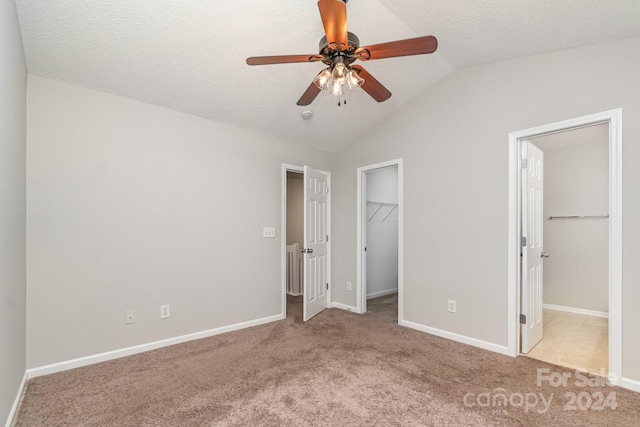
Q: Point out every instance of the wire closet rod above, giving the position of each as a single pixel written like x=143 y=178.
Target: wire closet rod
x=580 y=217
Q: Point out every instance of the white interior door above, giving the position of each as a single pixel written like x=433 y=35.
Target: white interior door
x=316 y=281
x=532 y=253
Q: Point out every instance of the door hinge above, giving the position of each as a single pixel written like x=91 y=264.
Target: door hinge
x=523 y=241
x=327 y=237
x=327 y=286
x=524 y=163
x=523 y=319
x=326 y=190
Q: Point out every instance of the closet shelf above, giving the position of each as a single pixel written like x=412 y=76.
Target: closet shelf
x=381 y=205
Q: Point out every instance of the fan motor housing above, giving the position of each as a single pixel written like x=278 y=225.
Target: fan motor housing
x=326 y=50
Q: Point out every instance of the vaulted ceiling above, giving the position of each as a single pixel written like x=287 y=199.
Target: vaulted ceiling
x=190 y=56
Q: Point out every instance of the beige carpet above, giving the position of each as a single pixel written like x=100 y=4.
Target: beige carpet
x=339 y=369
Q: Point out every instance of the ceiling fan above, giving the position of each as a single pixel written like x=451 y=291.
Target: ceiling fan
x=339 y=49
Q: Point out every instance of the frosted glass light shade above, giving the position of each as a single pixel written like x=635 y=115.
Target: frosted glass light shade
x=323 y=79
x=354 y=79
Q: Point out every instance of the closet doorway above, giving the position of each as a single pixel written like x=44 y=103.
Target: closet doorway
x=575 y=232
x=527 y=247
x=379 y=281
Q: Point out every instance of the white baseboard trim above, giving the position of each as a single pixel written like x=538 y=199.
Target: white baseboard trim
x=115 y=354
x=630 y=384
x=16 y=403
x=343 y=306
x=576 y=310
x=382 y=293
x=502 y=349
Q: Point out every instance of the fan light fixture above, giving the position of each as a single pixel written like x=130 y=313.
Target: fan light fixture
x=334 y=77
x=339 y=49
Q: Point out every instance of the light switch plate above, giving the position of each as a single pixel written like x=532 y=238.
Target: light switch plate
x=269 y=232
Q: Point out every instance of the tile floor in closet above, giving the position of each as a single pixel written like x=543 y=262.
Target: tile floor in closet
x=573 y=340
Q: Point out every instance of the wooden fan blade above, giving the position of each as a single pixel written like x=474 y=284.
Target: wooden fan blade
x=372 y=86
x=416 y=46
x=309 y=95
x=282 y=59
x=334 y=20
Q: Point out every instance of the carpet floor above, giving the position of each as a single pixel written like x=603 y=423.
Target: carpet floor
x=339 y=369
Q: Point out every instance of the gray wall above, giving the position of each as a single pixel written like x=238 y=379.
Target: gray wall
x=13 y=87
x=130 y=206
x=382 y=234
x=576 y=182
x=453 y=139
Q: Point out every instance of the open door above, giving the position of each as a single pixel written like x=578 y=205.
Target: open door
x=532 y=245
x=316 y=281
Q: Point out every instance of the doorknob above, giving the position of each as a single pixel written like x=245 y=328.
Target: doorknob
x=544 y=254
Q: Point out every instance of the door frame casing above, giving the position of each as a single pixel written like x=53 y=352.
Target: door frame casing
x=361 y=295
x=614 y=119
x=283 y=234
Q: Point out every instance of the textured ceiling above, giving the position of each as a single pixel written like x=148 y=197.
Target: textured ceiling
x=190 y=56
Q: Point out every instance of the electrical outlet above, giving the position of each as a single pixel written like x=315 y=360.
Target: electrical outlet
x=452 y=306
x=165 y=311
x=349 y=286
x=130 y=317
